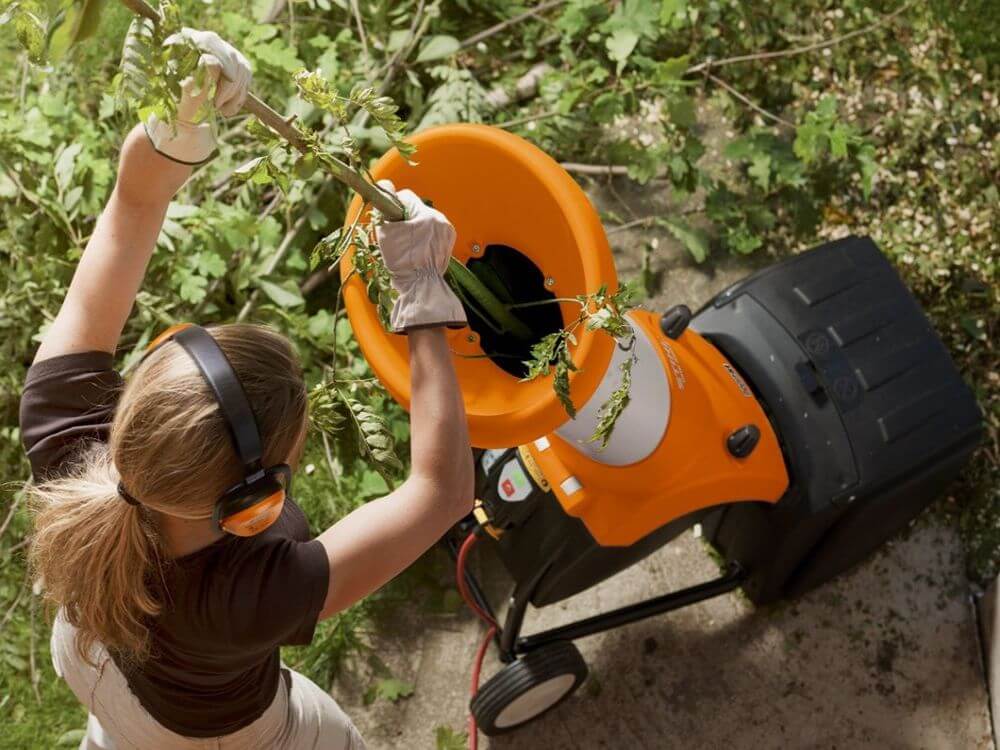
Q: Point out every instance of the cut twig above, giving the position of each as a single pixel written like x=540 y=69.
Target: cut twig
x=33 y=669
x=530 y=118
x=497 y=28
x=802 y=50
x=594 y=169
x=10 y=514
x=749 y=102
x=418 y=27
x=356 y=12
x=10 y=610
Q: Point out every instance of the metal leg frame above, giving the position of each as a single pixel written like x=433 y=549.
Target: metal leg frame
x=508 y=638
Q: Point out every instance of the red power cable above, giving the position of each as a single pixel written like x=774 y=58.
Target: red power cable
x=477 y=665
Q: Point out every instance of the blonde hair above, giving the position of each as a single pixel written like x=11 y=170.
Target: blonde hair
x=100 y=558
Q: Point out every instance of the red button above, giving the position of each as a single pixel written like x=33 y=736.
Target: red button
x=508 y=487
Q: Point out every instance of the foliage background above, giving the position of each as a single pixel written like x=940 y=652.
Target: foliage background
x=892 y=133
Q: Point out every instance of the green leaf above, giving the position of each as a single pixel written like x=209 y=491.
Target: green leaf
x=682 y=111
x=72 y=738
x=286 y=294
x=372 y=484
x=192 y=286
x=29 y=30
x=672 y=12
x=446 y=738
x=210 y=264
x=612 y=409
x=839 y=136
x=137 y=51
x=392 y=689
x=275 y=54
x=65 y=163
x=76 y=22
x=868 y=167
x=695 y=240
x=437 y=47
x=760 y=170
x=620 y=45
x=254 y=171
x=671 y=70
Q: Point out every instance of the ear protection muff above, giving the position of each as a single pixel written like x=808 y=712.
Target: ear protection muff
x=255 y=503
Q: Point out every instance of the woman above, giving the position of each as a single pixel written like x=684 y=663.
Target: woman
x=169 y=627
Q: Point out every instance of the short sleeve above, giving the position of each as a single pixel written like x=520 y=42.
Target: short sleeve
x=67 y=402
x=280 y=592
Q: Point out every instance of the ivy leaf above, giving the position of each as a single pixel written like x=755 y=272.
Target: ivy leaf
x=286 y=294
x=695 y=240
x=437 y=47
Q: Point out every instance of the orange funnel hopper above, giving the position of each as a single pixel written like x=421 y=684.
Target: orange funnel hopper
x=500 y=192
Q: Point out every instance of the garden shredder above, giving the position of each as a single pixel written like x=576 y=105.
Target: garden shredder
x=802 y=417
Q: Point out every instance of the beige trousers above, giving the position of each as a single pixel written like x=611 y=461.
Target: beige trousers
x=304 y=716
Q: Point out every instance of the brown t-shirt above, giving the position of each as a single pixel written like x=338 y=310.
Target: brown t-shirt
x=215 y=667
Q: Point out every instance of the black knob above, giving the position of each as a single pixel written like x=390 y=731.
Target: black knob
x=742 y=442
x=675 y=320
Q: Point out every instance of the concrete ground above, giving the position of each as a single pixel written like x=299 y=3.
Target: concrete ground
x=886 y=656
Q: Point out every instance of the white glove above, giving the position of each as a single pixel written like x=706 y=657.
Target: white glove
x=224 y=70
x=416 y=252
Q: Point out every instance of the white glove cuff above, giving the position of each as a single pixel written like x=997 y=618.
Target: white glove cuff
x=183 y=142
x=425 y=301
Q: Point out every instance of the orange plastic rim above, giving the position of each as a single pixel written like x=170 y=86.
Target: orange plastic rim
x=496 y=188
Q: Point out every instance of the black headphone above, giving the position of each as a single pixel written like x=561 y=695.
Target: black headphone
x=255 y=503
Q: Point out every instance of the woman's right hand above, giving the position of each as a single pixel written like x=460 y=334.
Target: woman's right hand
x=416 y=252
x=224 y=74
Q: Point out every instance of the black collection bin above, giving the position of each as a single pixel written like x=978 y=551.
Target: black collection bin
x=873 y=417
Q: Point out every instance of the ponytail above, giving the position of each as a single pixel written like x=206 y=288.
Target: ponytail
x=98 y=556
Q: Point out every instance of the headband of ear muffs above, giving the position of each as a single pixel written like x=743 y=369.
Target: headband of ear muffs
x=256 y=501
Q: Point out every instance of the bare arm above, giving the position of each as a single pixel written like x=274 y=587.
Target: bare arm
x=380 y=539
x=109 y=275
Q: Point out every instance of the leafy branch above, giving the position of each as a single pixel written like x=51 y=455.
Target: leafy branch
x=600 y=311
x=151 y=74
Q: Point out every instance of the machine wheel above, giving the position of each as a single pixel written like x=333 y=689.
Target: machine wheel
x=525 y=689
